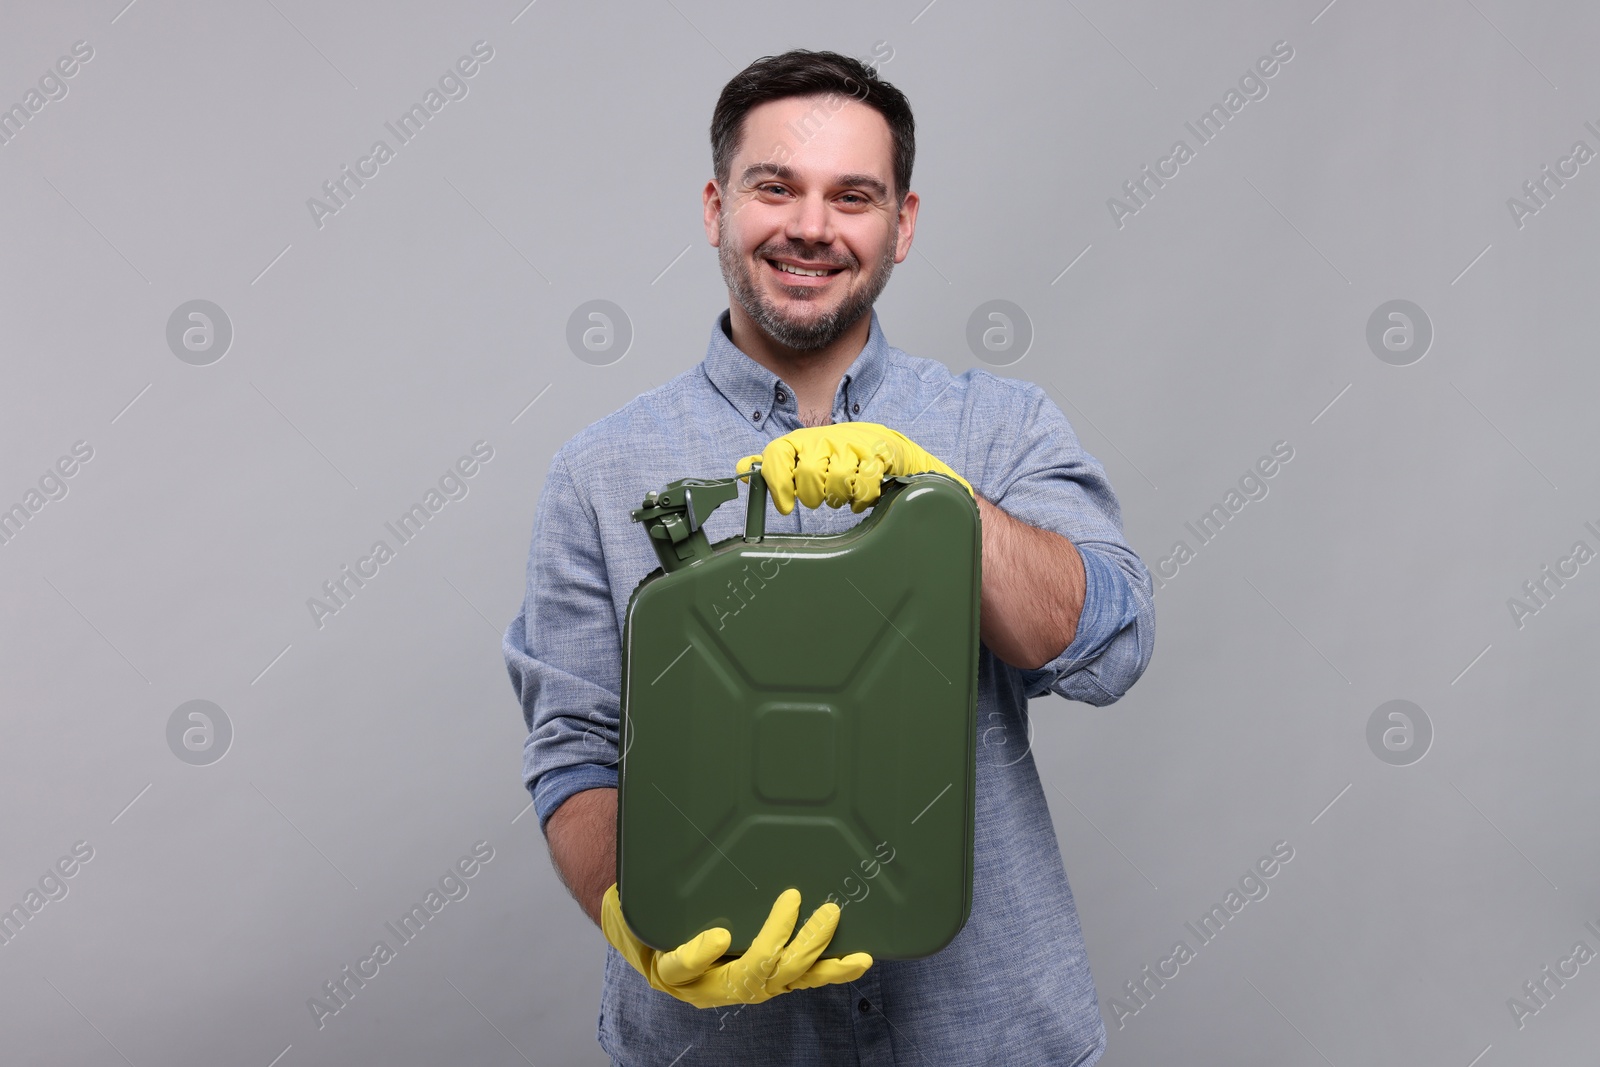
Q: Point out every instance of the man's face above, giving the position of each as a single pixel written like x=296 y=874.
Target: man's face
x=810 y=189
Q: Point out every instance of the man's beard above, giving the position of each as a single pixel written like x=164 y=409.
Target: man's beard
x=807 y=334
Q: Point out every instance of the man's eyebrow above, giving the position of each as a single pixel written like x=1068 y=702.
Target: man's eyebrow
x=784 y=173
x=864 y=181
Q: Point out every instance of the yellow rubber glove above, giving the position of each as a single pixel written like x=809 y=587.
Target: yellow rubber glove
x=842 y=463
x=769 y=967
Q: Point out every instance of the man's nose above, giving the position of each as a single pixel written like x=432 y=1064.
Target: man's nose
x=810 y=222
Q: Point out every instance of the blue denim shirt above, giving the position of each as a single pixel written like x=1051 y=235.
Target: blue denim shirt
x=1014 y=986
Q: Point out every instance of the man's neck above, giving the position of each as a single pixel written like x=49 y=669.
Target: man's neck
x=813 y=374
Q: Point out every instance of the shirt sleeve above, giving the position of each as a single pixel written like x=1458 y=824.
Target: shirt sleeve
x=1052 y=483
x=563 y=651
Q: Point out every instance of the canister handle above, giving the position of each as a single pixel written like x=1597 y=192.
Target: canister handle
x=755 y=516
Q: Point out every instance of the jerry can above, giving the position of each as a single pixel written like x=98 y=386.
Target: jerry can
x=801 y=711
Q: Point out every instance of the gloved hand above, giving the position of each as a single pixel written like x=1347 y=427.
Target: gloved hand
x=768 y=967
x=844 y=462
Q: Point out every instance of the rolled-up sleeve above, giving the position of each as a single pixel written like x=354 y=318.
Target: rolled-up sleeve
x=1052 y=483
x=563 y=651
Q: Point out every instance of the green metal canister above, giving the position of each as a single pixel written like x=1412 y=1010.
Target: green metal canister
x=800 y=711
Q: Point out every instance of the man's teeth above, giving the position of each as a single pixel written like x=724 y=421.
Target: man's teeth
x=789 y=268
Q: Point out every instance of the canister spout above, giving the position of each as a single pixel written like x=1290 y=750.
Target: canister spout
x=675 y=516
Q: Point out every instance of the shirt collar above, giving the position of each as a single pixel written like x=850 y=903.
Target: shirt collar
x=753 y=389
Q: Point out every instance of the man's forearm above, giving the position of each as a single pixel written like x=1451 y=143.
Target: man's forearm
x=582 y=834
x=1033 y=586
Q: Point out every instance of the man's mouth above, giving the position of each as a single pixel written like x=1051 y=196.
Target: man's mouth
x=820 y=272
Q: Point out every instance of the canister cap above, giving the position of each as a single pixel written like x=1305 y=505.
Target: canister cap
x=675 y=514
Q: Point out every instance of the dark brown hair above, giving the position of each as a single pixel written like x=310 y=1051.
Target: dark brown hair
x=800 y=72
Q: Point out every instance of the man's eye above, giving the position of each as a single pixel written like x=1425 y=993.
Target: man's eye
x=854 y=198
x=771 y=187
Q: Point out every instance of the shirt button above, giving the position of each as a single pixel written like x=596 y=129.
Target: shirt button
x=755 y=416
x=856 y=410
x=864 y=1005
x=782 y=396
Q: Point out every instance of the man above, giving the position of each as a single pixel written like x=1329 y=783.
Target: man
x=809 y=209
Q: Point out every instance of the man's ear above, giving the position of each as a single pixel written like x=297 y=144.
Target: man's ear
x=906 y=226
x=712 y=203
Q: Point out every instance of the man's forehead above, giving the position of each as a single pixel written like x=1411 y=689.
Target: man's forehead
x=830 y=132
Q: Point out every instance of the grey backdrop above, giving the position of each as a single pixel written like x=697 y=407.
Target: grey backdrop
x=367 y=752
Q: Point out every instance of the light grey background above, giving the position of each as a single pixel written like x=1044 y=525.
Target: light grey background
x=369 y=354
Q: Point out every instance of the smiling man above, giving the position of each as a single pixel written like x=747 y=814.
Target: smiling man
x=810 y=209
